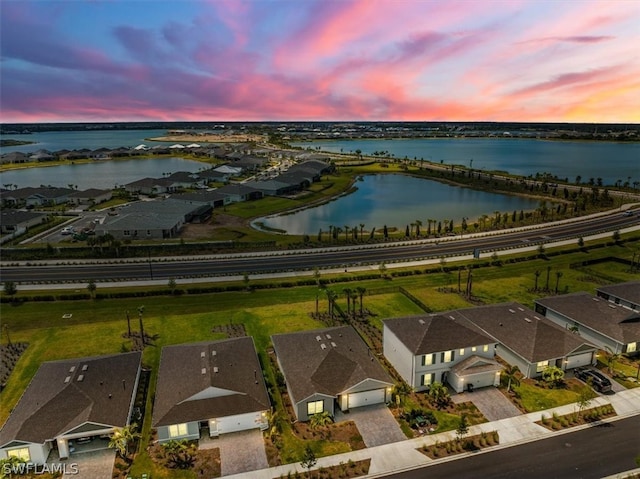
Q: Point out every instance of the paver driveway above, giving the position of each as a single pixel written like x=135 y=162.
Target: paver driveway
x=490 y=401
x=242 y=452
x=91 y=465
x=376 y=424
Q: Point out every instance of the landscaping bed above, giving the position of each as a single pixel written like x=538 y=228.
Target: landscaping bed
x=342 y=470
x=439 y=449
x=10 y=354
x=588 y=416
x=186 y=456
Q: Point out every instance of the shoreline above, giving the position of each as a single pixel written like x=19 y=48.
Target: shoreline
x=209 y=138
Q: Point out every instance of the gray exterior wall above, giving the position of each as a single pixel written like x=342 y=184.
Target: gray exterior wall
x=398 y=355
x=193 y=432
x=37 y=452
x=301 y=407
x=588 y=334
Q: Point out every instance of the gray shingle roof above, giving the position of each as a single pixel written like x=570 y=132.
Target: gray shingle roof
x=51 y=405
x=616 y=322
x=344 y=361
x=231 y=383
x=525 y=332
x=426 y=334
x=628 y=291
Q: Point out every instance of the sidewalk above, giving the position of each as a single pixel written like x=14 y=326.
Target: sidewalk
x=402 y=456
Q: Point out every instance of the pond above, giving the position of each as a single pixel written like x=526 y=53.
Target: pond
x=397 y=200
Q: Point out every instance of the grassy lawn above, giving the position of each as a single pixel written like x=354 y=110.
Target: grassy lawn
x=534 y=398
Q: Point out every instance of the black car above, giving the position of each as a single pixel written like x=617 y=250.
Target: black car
x=598 y=380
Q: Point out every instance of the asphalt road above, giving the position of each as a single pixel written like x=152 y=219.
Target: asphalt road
x=337 y=258
x=594 y=452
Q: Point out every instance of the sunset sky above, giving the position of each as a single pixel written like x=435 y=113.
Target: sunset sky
x=233 y=60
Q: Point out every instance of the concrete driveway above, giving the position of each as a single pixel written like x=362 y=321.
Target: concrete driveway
x=376 y=424
x=241 y=452
x=490 y=401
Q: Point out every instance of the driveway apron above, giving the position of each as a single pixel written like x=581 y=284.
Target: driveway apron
x=491 y=402
x=242 y=452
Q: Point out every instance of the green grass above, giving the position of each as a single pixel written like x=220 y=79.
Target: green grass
x=534 y=398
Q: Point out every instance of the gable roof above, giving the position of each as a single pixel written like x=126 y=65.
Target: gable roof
x=426 y=334
x=476 y=364
x=199 y=381
x=618 y=323
x=309 y=368
x=64 y=395
x=523 y=331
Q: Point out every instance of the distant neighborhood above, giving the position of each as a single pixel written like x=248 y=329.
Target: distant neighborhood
x=246 y=173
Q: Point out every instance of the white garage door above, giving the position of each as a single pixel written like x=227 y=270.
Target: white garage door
x=583 y=359
x=236 y=423
x=366 y=398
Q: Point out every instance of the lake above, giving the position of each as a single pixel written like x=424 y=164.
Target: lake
x=102 y=174
x=565 y=159
x=398 y=200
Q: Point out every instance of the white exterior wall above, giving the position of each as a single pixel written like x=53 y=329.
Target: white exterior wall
x=37 y=452
x=398 y=355
x=238 y=422
x=527 y=369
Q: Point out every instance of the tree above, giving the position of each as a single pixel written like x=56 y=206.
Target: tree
x=246 y=280
x=308 y=460
x=586 y=394
x=172 y=285
x=331 y=297
x=121 y=439
x=383 y=269
x=511 y=374
x=140 y=311
x=439 y=394
x=347 y=292
x=558 y=276
x=128 y=324
x=10 y=288
x=360 y=290
x=546 y=288
x=537 y=274
x=361 y=231
x=91 y=287
x=463 y=427
x=611 y=358
x=316 y=275
x=581 y=242
x=616 y=236
x=401 y=392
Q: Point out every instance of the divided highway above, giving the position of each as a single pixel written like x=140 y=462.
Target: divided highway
x=326 y=258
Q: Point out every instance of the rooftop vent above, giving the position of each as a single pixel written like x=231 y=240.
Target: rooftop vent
x=67 y=379
x=595 y=299
x=421 y=321
x=80 y=378
x=328 y=336
x=334 y=344
x=215 y=369
x=527 y=320
x=213 y=353
x=85 y=367
x=318 y=338
x=72 y=369
x=537 y=318
x=202 y=354
x=611 y=306
x=521 y=309
x=451 y=316
x=204 y=371
x=511 y=310
x=323 y=346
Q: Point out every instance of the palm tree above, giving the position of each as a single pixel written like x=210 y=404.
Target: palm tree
x=331 y=297
x=347 y=292
x=320 y=419
x=558 y=276
x=140 y=311
x=537 y=274
x=346 y=233
x=121 y=438
x=360 y=290
x=361 y=230
x=548 y=273
x=611 y=358
x=511 y=373
x=401 y=392
x=439 y=394
x=418 y=225
x=128 y=324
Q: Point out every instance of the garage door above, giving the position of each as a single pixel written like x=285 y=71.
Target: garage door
x=583 y=359
x=236 y=423
x=366 y=398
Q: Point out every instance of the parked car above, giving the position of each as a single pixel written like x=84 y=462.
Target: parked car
x=67 y=230
x=598 y=380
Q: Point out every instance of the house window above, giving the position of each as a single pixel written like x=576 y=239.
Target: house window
x=461 y=352
x=448 y=356
x=427 y=379
x=177 y=430
x=474 y=349
x=485 y=348
x=428 y=359
x=127 y=233
x=541 y=366
x=315 y=407
x=632 y=347
x=21 y=453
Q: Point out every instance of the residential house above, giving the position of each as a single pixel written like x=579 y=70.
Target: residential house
x=624 y=294
x=328 y=367
x=46 y=196
x=150 y=186
x=86 y=398
x=216 y=387
x=15 y=157
x=527 y=339
x=429 y=348
x=597 y=320
x=16 y=222
x=229 y=170
x=214 y=198
x=92 y=196
x=239 y=192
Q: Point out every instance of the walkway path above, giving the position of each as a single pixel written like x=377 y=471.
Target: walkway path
x=400 y=456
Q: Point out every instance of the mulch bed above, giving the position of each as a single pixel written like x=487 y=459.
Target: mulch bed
x=455 y=446
x=231 y=330
x=588 y=416
x=10 y=354
x=342 y=470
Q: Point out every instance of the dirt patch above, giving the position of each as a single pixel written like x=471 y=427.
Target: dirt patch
x=231 y=330
x=9 y=354
x=207 y=231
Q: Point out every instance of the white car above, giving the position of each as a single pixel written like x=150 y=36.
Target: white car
x=67 y=230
